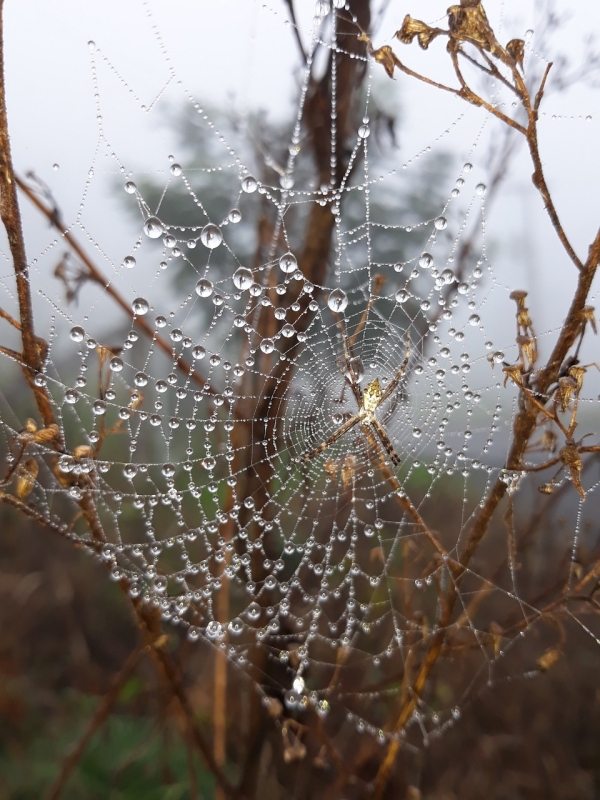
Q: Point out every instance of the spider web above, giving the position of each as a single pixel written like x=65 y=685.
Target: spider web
x=318 y=578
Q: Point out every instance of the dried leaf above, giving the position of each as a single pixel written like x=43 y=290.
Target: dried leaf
x=546 y=488
x=414 y=27
x=25 y=476
x=516 y=49
x=470 y=24
x=528 y=348
x=30 y=435
x=548 y=659
x=385 y=55
x=82 y=451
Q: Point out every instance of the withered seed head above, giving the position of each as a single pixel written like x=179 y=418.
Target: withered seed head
x=513 y=371
x=566 y=389
x=519 y=296
x=414 y=27
x=516 y=49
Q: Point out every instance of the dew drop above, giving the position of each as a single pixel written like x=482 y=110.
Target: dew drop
x=243 y=279
x=175 y=169
x=338 y=301
x=153 y=228
x=267 y=346
x=129 y=262
x=474 y=319
x=480 y=189
x=288 y=330
x=249 y=184
x=440 y=223
x=116 y=364
x=204 y=288
x=71 y=396
x=77 y=333
x=234 y=216
x=168 y=470
x=99 y=408
x=288 y=263
x=364 y=132
x=140 y=306
x=169 y=241
x=130 y=187
x=140 y=379
x=402 y=296
x=211 y=236
x=426 y=260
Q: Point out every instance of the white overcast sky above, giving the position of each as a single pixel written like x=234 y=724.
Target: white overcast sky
x=244 y=50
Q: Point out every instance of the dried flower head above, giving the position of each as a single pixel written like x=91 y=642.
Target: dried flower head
x=571 y=458
x=25 y=476
x=576 y=372
x=587 y=314
x=528 y=348
x=516 y=49
x=518 y=295
x=514 y=372
x=567 y=387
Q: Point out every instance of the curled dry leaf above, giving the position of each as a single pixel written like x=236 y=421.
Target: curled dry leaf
x=546 y=488
x=548 y=659
x=25 y=476
x=384 y=55
x=470 y=24
x=414 y=27
x=576 y=372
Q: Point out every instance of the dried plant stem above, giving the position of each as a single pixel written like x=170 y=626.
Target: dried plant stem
x=97 y=720
x=33 y=354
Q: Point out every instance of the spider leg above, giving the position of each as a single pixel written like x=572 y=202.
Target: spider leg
x=332 y=439
x=396 y=379
x=385 y=441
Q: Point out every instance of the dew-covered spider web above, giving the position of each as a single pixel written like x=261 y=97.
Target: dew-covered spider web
x=189 y=423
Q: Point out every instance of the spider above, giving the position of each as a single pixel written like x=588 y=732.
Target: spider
x=368 y=402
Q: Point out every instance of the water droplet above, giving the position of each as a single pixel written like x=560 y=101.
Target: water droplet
x=426 y=260
x=99 y=408
x=168 y=470
x=71 y=396
x=234 y=216
x=129 y=262
x=130 y=470
x=339 y=3
x=55 y=167
x=175 y=169
x=417 y=433
x=288 y=263
x=440 y=223
x=140 y=379
x=169 y=241
x=338 y=301
x=153 y=228
x=467 y=167
x=249 y=184
x=176 y=335
x=243 y=279
x=498 y=357
x=91 y=46
x=402 y=296
x=474 y=319
x=462 y=288
x=364 y=132
x=253 y=611
x=140 y=306
x=288 y=330
x=267 y=346
x=211 y=236
x=198 y=352
x=77 y=333
x=528 y=34
x=116 y=364
x=214 y=630
x=130 y=187
x=204 y=288
x=480 y=189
